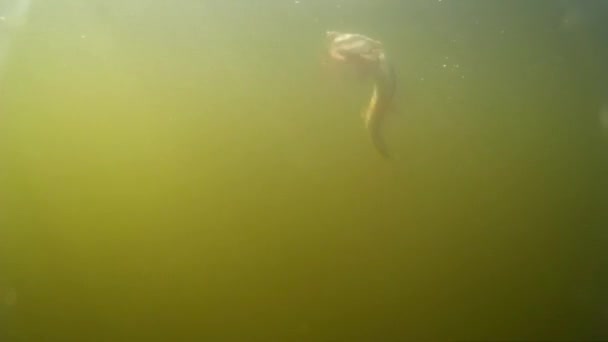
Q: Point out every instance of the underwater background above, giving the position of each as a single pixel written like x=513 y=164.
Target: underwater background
x=193 y=170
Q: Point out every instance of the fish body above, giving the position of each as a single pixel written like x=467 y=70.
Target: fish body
x=368 y=55
x=379 y=105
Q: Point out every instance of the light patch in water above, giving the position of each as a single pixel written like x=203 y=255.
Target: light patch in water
x=13 y=16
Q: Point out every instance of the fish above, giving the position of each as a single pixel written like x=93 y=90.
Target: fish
x=368 y=55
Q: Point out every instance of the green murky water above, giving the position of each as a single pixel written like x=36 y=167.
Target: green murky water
x=190 y=170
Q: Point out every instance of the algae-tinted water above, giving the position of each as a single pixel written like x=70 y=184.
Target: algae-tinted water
x=192 y=170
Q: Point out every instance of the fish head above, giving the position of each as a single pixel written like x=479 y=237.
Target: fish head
x=355 y=48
